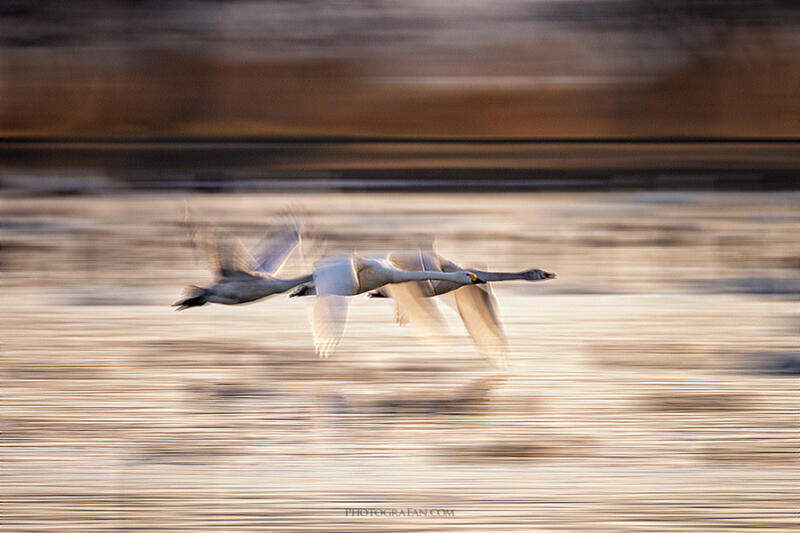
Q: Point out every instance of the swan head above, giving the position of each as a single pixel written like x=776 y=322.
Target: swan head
x=471 y=278
x=535 y=274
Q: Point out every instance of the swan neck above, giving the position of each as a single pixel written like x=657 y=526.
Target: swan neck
x=421 y=275
x=498 y=276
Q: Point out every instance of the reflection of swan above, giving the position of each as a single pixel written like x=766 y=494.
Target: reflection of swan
x=243 y=276
x=476 y=305
x=472 y=398
x=336 y=278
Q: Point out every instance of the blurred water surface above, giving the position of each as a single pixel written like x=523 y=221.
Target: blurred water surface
x=653 y=386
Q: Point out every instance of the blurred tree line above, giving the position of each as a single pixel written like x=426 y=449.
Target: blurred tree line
x=414 y=67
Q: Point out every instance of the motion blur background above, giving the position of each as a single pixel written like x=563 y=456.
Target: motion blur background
x=420 y=67
x=646 y=151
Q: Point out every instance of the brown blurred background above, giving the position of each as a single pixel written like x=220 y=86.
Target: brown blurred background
x=542 y=68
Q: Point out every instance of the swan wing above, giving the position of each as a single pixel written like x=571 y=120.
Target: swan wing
x=444 y=265
x=224 y=253
x=271 y=254
x=421 y=312
x=334 y=279
x=231 y=255
x=477 y=306
x=421 y=259
x=313 y=244
x=327 y=323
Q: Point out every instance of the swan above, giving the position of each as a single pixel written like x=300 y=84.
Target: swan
x=243 y=276
x=476 y=305
x=431 y=261
x=337 y=277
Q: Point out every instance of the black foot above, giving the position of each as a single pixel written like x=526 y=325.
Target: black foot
x=303 y=290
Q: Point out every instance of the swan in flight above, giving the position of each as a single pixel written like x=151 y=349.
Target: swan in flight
x=475 y=304
x=431 y=261
x=337 y=277
x=241 y=275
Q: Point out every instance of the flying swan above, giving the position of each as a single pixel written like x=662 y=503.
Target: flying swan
x=243 y=276
x=475 y=304
x=337 y=277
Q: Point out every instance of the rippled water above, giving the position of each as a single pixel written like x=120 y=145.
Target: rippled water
x=653 y=386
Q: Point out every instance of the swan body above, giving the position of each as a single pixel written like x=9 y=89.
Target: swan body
x=336 y=278
x=243 y=276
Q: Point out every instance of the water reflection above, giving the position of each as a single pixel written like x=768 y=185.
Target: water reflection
x=645 y=385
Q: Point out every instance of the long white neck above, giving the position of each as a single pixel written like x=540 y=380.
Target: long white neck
x=499 y=276
x=421 y=275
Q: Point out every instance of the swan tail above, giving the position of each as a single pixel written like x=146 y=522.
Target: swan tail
x=196 y=297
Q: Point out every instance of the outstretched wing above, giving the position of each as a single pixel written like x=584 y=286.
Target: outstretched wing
x=420 y=259
x=271 y=254
x=223 y=252
x=334 y=279
x=313 y=245
x=421 y=312
x=327 y=323
x=477 y=306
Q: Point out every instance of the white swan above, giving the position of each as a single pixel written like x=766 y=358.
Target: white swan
x=431 y=261
x=243 y=276
x=475 y=304
x=336 y=278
